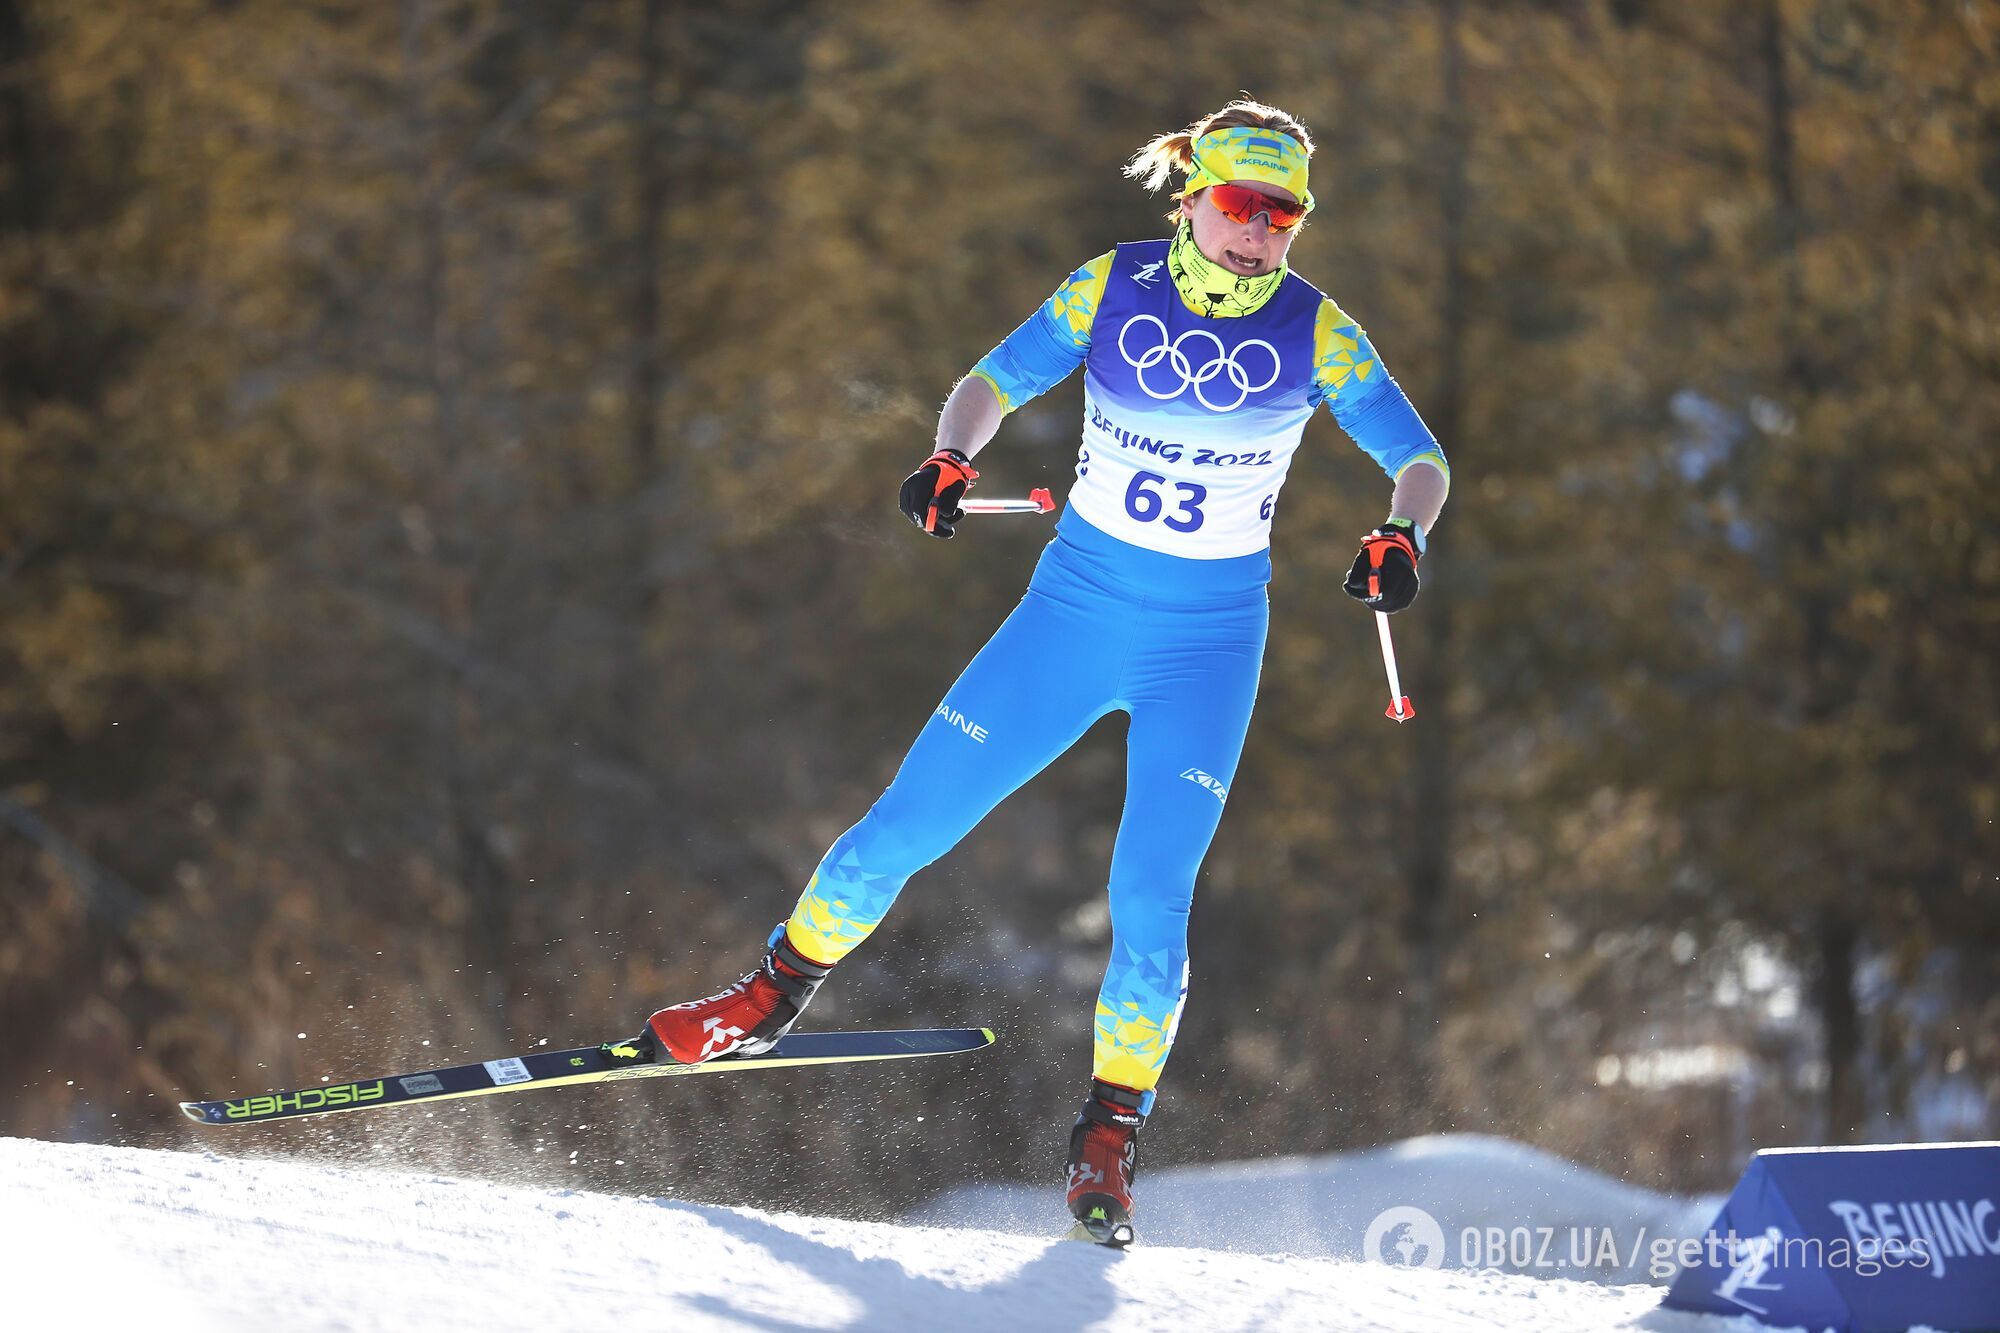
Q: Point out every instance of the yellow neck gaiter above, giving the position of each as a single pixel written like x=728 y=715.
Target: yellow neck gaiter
x=1211 y=290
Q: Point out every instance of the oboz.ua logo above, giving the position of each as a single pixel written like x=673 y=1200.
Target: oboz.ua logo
x=1222 y=361
x=1404 y=1237
x=1208 y=780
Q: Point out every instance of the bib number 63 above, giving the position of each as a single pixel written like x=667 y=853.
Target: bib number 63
x=1145 y=503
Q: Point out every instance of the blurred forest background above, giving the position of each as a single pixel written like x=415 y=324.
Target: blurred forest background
x=451 y=589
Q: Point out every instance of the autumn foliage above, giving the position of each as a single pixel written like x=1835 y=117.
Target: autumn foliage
x=451 y=589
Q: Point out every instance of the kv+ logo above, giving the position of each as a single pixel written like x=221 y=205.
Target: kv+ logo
x=1222 y=361
x=1209 y=781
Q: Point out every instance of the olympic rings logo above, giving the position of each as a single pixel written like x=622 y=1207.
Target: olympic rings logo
x=1222 y=362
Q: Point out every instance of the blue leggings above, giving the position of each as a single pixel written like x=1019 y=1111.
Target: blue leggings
x=1105 y=625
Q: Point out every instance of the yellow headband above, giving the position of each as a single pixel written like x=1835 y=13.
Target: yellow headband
x=1249 y=153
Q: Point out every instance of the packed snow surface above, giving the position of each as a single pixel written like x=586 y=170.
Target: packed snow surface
x=113 y=1237
x=1528 y=1210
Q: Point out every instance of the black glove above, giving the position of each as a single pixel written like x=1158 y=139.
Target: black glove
x=1385 y=573
x=931 y=493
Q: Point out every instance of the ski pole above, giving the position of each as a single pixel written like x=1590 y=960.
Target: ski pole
x=1038 y=502
x=1400 y=708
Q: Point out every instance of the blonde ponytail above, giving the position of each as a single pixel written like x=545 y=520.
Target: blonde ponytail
x=1162 y=155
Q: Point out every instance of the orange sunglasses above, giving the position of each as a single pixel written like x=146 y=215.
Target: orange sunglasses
x=1240 y=203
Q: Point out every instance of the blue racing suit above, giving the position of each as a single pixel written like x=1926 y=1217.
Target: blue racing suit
x=1150 y=599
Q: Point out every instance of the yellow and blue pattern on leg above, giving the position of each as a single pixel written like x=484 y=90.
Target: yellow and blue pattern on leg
x=1138 y=1013
x=841 y=906
x=822 y=927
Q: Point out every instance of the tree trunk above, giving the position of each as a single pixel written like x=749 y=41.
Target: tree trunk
x=1827 y=679
x=650 y=173
x=456 y=710
x=1426 y=920
x=1840 y=1024
x=1780 y=156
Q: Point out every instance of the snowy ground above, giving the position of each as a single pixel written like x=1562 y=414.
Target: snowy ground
x=96 y=1237
x=1534 y=1212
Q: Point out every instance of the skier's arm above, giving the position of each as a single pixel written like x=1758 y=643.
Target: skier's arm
x=1420 y=491
x=1371 y=407
x=971 y=416
x=1029 y=362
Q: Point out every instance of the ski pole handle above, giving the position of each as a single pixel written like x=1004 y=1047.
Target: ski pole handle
x=1039 y=501
x=1400 y=708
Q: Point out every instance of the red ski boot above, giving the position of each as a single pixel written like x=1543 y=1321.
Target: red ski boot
x=746 y=1019
x=1103 y=1159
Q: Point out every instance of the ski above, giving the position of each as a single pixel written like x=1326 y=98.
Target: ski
x=1098 y=1229
x=585 y=1064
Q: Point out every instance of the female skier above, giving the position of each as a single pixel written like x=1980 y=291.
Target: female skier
x=1204 y=357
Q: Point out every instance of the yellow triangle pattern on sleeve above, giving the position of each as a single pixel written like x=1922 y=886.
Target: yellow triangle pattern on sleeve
x=1334 y=346
x=1074 y=305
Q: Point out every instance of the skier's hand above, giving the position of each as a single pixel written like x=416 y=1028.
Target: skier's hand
x=1385 y=573
x=931 y=493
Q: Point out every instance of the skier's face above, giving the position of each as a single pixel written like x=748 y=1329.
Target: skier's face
x=1245 y=248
